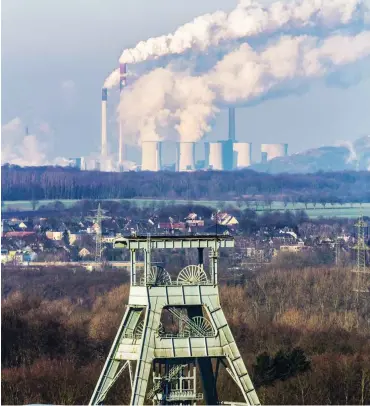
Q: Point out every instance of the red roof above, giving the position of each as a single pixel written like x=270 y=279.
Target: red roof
x=172 y=225
x=19 y=233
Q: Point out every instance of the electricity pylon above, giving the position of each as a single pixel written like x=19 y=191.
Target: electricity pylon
x=362 y=282
x=174 y=330
x=98 y=245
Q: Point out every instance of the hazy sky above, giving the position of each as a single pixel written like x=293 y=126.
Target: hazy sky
x=56 y=55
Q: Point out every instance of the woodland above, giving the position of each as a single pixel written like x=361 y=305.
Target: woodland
x=303 y=333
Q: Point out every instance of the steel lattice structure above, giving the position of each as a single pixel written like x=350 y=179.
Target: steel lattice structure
x=98 y=243
x=362 y=282
x=168 y=361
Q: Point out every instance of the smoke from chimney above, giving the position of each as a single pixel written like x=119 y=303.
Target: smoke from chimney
x=122 y=84
x=104 y=97
x=249 y=19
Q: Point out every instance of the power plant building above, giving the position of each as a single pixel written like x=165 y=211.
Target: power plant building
x=273 y=151
x=151 y=157
x=242 y=154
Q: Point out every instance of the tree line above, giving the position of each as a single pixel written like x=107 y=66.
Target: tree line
x=37 y=183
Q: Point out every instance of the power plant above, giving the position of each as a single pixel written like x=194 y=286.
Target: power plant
x=219 y=155
x=271 y=151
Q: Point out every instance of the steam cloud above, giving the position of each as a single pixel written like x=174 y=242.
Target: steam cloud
x=21 y=149
x=248 y=55
x=248 y=19
x=165 y=98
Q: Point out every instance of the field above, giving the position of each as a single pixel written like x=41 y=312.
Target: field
x=348 y=210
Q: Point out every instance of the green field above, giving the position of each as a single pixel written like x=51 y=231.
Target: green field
x=345 y=210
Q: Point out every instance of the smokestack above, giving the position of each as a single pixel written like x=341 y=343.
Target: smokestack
x=151 y=156
x=232 y=124
x=122 y=84
x=185 y=156
x=104 y=97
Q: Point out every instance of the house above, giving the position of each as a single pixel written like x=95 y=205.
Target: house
x=192 y=220
x=54 y=235
x=172 y=226
x=75 y=238
x=294 y=248
x=84 y=252
x=225 y=219
x=22 y=226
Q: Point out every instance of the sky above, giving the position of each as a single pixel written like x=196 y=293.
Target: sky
x=56 y=55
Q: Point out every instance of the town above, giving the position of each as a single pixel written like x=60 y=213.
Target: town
x=83 y=234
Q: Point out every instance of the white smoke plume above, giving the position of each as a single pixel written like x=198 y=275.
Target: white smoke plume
x=112 y=80
x=249 y=19
x=164 y=98
x=20 y=148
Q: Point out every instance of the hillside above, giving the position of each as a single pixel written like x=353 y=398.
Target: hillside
x=346 y=157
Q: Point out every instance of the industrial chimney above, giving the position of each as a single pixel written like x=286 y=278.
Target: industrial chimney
x=232 y=124
x=151 y=156
x=185 y=156
x=122 y=84
x=104 y=97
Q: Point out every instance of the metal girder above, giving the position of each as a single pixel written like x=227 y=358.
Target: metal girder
x=159 y=242
x=200 y=339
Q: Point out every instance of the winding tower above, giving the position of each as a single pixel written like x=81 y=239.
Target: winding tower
x=174 y=330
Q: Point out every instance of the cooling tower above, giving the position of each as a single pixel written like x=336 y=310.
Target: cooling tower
x=104 y=96
x=215 y=156
x=242 y=154
x=185 y=156
x=151 y=156
x=231 y=123
x=122 y=84
x=274 y=150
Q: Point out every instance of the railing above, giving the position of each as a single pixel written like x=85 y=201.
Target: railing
x=184 y=394
x=184 y=335
x=173 y=283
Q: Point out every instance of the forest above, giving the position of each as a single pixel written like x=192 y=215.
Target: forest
x=303 y=334
x=38 y=183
